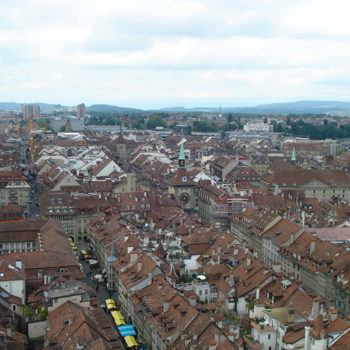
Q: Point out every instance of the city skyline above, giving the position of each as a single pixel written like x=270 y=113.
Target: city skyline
x=174 y=53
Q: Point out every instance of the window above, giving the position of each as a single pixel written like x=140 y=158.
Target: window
x=200 y=292
x=127 y=207
x=269 y=336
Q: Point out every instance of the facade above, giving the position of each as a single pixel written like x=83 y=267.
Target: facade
x=30 y=110
x=73 y=214
x=322 y=184
x=258 y=127
x=14 y=189
x=20 y=236
x=81 y=111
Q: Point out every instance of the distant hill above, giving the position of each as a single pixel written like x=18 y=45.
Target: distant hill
x=10 y=106
x=298 y=107
x=17 y=107
x=110 y=108
x=295 y=107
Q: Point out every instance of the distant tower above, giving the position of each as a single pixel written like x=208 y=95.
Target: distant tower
x=30 y=110
x=68 y=126
x=293 y=159
x=81 y=111
x=182 y=154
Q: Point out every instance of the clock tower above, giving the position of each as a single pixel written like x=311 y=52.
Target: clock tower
x=181 y=183
x=182 y=154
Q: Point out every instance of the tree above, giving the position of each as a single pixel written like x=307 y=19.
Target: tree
x=154 y=121
x=203 y=126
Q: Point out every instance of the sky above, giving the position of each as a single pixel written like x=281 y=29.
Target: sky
x=163 y=53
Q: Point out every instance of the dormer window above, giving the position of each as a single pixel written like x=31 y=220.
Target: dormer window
x=133 y=207
x=184 y=179
x=127 y=207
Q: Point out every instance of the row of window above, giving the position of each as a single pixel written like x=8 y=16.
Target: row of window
x=17 y=245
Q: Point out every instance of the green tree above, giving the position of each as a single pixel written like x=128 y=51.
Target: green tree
x=154 y=121
x=203 y=126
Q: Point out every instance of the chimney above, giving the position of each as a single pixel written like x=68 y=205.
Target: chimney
x=9 y=331
x=139 y=266
x=249 y=261
x=312 y=247
x=218 y=259
x=235 y=251
x=212 y=345
x=315 y=308
x=19 y=264
x=307 y=338
x=303 y=217
x=290 y=316
x=150 y=278
x=231 y=281
x=133 y=258
x=165 y=306
x=257 y=296
x=192 y=301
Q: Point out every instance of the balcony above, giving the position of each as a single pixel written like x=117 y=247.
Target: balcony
x=252 y=343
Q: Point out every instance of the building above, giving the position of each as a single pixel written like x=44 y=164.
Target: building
x=14 y=189
x=258 y=127
x=323 y=184
x=77 y=124
x=74 y=214
x=185 y=129
x=20 y=236
x=81 y=111
x=30 y=110
x=181 y=184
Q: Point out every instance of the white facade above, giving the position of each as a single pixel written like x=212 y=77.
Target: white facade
x=15 y=288
x=258 y=127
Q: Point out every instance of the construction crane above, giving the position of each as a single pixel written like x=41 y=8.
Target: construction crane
x=31 y=138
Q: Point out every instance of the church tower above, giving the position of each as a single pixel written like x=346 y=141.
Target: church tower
x=182 y=154
x=293 y=159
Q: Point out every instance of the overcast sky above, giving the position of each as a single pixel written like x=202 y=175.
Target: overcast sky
x=158 y=53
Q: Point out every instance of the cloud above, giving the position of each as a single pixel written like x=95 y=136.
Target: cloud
x=156 y=52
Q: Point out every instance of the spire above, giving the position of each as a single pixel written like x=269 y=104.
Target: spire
x=293 y=156
x=182 y=154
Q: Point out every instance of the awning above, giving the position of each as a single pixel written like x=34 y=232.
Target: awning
x=118 y=318
x=83 y=252
x=103 y=271
x=110 y=301
x=128 y=329
x=110 y=306
x=130 y=341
